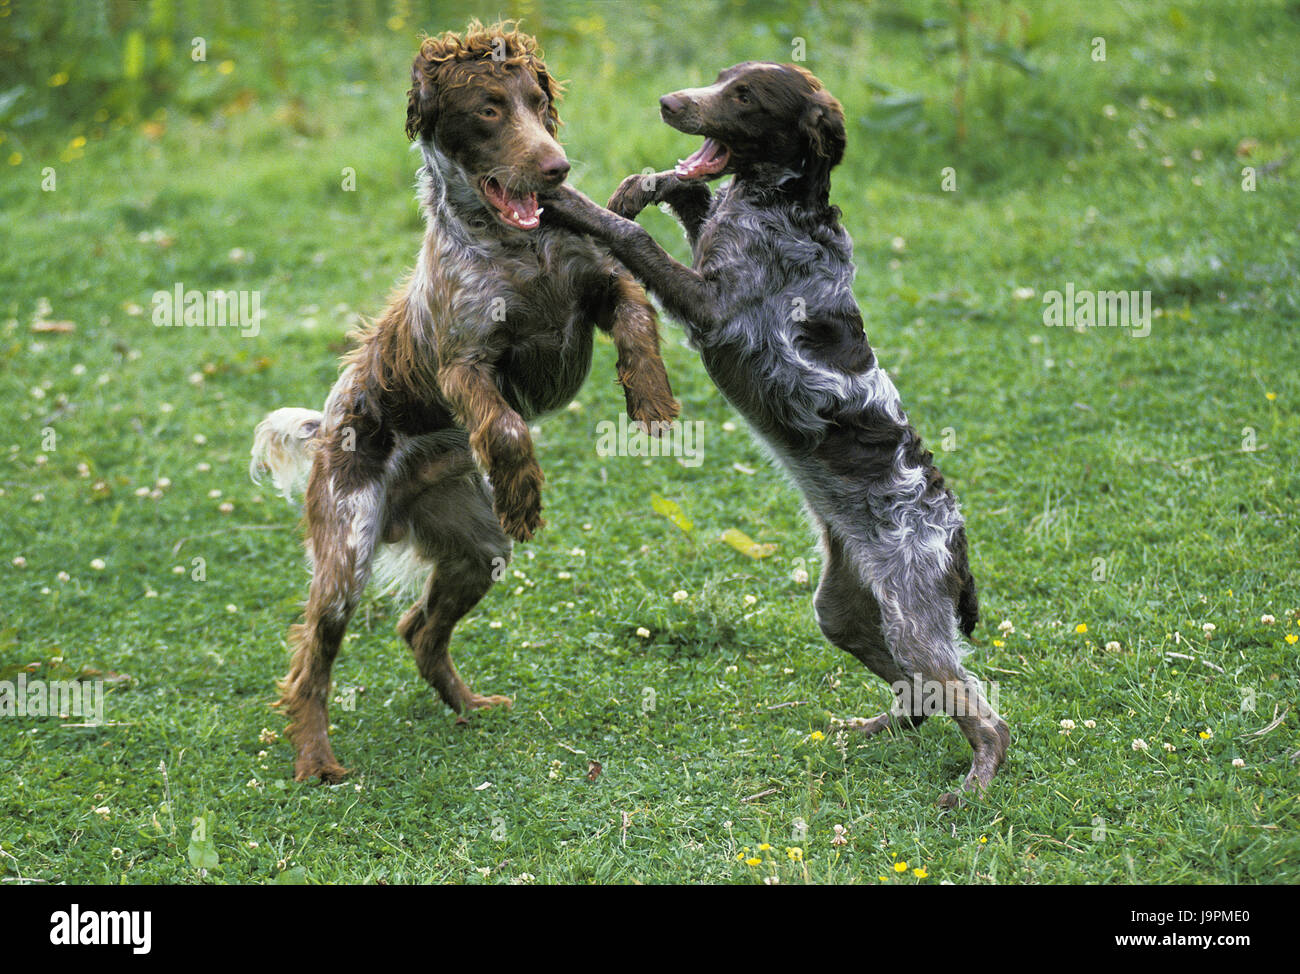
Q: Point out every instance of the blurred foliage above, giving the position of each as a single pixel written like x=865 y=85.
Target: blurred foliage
x=987 y=83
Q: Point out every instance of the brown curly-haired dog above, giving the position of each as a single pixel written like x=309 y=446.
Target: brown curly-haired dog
x=422 y=454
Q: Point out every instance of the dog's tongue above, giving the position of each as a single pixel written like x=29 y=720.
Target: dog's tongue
x=518 y=210
x=708 y=159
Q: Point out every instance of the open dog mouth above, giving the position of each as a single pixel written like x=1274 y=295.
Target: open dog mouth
x=515 y=209
x=708 y=160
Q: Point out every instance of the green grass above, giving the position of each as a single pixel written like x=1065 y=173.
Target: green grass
x=1069 y=447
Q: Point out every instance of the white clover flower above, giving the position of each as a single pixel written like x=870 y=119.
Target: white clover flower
x=681 y=595
x=1139 y=744
x=642 y=632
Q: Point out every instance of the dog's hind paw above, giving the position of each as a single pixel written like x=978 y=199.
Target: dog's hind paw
x=477 y=701
x=866 y=726
x=330 y=772
x=950 y=799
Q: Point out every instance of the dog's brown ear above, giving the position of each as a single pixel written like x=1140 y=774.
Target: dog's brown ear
x=554 y=89
x=822 y=126
x=421 y=100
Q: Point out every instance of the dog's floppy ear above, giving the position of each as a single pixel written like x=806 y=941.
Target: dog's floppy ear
x=421 y=100
x=822 y=126
x=553 y=91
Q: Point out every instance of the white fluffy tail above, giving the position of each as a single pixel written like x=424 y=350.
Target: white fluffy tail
x=284 y=445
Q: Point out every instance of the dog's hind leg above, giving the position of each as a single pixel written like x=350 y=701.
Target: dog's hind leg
x=919 y=617
x=453 y=525
x=343 y=513
x=849 y=617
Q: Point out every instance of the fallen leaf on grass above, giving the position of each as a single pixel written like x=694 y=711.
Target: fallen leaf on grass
x=670 y=509
x=745 y=544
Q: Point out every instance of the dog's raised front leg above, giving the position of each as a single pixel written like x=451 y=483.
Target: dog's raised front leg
x=689 y=199
x=688 y=297
x=632 y=324
x=502 y=447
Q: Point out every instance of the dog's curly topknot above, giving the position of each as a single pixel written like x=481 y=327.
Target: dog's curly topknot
x=501 y=44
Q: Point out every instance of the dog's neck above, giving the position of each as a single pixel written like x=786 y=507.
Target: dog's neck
x=780 y=184
x=770 y=184
x=452 y=201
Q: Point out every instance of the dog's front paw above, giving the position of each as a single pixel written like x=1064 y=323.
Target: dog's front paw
x=564 y=206
x=517 y=500
x=655 y=415
x=650 y=401
x=634 y=194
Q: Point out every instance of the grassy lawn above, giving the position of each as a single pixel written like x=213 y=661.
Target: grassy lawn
x=1130 y=501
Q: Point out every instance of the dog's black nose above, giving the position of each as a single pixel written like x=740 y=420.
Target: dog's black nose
x=672 y=104
x=555 y=169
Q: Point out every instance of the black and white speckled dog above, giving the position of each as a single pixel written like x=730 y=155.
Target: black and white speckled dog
x=770 y=306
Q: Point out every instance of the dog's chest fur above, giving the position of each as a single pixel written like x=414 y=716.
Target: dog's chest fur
x=790 y=352
x=530 y=301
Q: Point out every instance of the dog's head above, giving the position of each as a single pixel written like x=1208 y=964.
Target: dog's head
x=764 y=121
x=485 y=100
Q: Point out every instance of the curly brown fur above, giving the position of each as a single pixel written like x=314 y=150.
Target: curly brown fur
x=421 y=459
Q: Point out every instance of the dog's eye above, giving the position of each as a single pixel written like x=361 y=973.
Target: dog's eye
x=488 y=112
x=742 y=95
